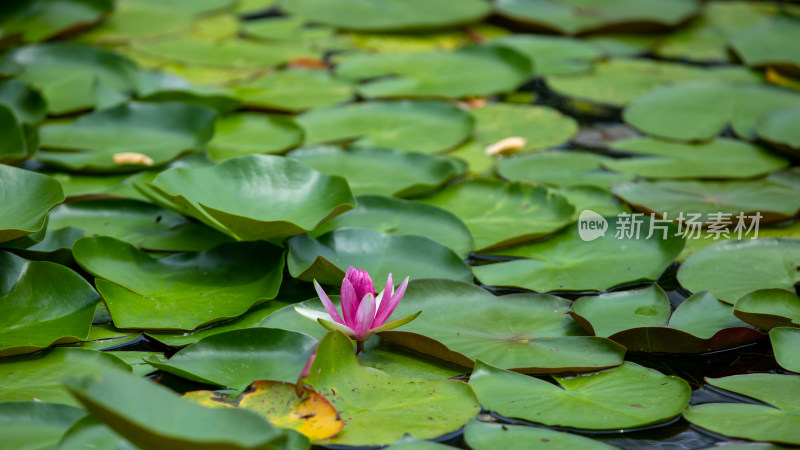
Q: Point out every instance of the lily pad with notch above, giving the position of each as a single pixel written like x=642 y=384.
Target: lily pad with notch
x=769 y=308
x=181 y=291
x=382 y=171
x=566 y=262
x=529 y=333
x=642 y=321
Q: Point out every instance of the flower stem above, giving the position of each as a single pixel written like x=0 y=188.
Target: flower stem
x=359 y=347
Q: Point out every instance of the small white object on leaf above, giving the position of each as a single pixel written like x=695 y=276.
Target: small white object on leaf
x=132 y=158
x=506 y=146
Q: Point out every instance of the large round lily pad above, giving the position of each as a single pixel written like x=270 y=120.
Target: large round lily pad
x=777 y=128
x=67 y=73
x=256 y=196
x=425 y=409
x=700 y=111
x=415 y=126
x=566 y=262
x=733 y=268
x=720 y=158
x=770 y=44
x=381 y=171
x=26 y=425
x=705 y=200
x=125 y=404
x=626 y=397
x=580 y=16
x=561 y=168
x=554 y=55
x=777 y=422
x=496 y=436
x=249 y=133
x=181 y=291
x=640 y=320
x=160 y=132
x=500 y=213
x=541 y=127
x=38 y=377
x=39 y=312
x=388 y=15
x=403 y=217
x=237 y=358
x=528 y=333
x=327 y=257
x=617 y=82
x=25 y=198
x=491 y=70
x=294 y=90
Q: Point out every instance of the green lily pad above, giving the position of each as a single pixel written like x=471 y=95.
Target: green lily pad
x=181 y=291
x=56 y=246
x=640 y=320
x=26 y=103
x=617 y=82
x=719 y=158
x=495 y=436
x=231 y=53
x=425 y=409
x=554 y=55
x=733 y=268
x=327 y=257
x=707 y=199
x=382 y=171
x=462 y=323
x=423 y=41
x=294 y=90
x=500 y=214
x=561 y=168
x=777 y=128
x=39 y=20
x=581 y=16
x=38 y=377
x=568 y=263
x=777 y=422
x=287 y=28
x=250 y=133
x=388 y=15
x=250 y=319
x=39 y=313
x=626 y=397
x=769 y=308
x=290 y=197
x=66 y=73
x=409 y=442
x=159 y=131
x=769 y=44
x=491 y=69
x=35 y=425
x=90 y=433
x=414 y=126
x=706 y=38
x=700 y=111
x=784 y=344
x=25 y=198
x=132 y=20
x=540 y=126
x=16 y=145
x=593 y=198
x=402 y=217
x=125 y=404
x=237 y=358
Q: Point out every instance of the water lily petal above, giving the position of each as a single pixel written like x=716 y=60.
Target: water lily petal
x=328 y=304
x=389 y=304
x=365 y=316
x=349 y=303
x=387 y=293
x=361 y=281
x=312 y=314
x=333 y=326
x=395 y=323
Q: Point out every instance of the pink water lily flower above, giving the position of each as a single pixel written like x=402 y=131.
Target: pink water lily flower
x=363 y=312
